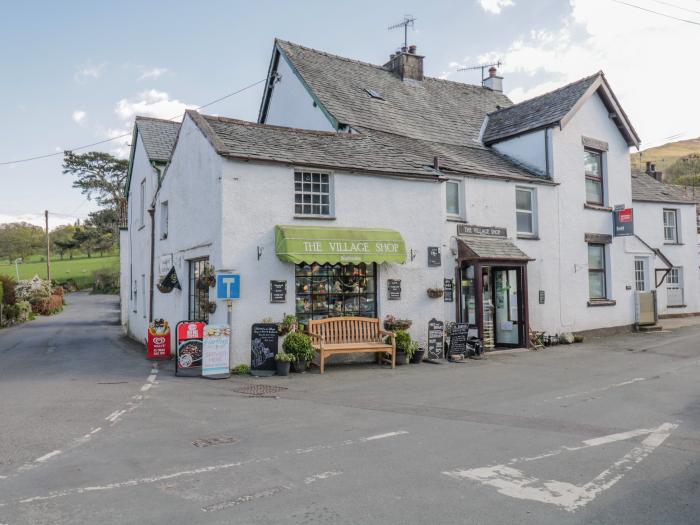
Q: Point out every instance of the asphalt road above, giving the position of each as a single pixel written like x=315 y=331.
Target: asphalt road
x=601 y=432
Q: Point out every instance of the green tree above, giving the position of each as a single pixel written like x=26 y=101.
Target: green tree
x=99 y=175
x=63 y=240
x=20 y=239
x=86 y=239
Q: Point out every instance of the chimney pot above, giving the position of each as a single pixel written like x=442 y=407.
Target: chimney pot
x=403 y=49
x=412 y=49
x=406 y=64
x=649 y=169
x=436 y=163
x=492 y=71
x=493 y=81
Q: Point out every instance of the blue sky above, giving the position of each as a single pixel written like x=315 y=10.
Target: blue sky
x=77 y=72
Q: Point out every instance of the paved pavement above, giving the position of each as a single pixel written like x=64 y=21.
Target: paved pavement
x=601 y=432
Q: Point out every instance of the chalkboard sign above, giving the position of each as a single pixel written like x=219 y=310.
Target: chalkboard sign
x=436 y=332
x=449 y=286
x=263 y=348
x=393 y=289
x=278 y=291
x=434 y=257
x=458 y=339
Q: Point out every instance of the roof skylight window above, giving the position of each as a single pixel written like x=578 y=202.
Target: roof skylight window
x=374 y=94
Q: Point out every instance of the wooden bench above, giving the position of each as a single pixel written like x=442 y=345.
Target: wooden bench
x=347 y=335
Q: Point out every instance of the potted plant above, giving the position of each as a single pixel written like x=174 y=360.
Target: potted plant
x=164 y=287
x=299 y=345
x=207 y=278
x=404 y=351
x=209 y=307
x=392 y=324
x=417 y=353
x=435 y=293
x=288 y=324
x=283 y=360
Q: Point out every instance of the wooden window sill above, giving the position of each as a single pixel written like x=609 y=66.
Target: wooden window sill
x=602 y=302
x=455 y=218
x=315 y=217
x=676 y=306
x=597 y=207
x=528 y=237
x=670 y=243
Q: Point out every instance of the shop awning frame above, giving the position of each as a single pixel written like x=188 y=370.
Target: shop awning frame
x=490 y=249
x=335 y=245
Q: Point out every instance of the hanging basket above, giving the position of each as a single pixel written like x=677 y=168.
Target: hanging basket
x=435 y=293
x=164 y=289
x=210 y=307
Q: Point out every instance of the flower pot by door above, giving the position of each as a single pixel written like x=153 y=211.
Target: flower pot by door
x=283 y=368
x=400 y=358
x=300 y=366
x=418 y=356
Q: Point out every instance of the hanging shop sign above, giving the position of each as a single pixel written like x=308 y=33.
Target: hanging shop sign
x=486 y=231
x=215 y=351
x=188 y=345
x=228 y=286
x=263 y=348
x=159 y=340
x=623 y=222
x=449 y=287
x=436 y=336
x=458 y=339
x=393 y=287
x=169 y=282
x=278 y=291
x=434 y=256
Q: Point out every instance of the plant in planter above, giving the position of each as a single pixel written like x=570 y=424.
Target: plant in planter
x=289 y=324
x=207 y=278
x=240 y=370
x=299 y=345
x=403 y=347
x=435 y=293
x=164 y=287
x=209 y=307
x=417 y=353
x=283 y=360
x=393 y=324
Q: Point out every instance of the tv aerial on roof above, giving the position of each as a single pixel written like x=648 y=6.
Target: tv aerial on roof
x=482 y=67
x=408 y=21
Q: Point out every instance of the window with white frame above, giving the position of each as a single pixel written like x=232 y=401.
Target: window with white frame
x=597 y=281
x=142 y=203
x=164 y=220
x=671 y=225
x=674 y=287
x=453 y=205
x=313 y=193
x=640 y=275
x=526 y=212
x=593 y=165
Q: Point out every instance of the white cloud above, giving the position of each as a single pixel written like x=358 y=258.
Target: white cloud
x=79 y=116
x=642 y=58
x=88 y=71
x=494 y=6
x=121 y=143
x=153 y=73
x=151 y=103
x=38 y=219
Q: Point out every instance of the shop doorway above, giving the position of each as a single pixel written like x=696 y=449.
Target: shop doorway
x=493 y=301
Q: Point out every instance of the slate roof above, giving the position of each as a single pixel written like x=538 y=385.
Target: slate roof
x=484 y=247
x=646 y=188
x=368 y=151
x=158 y=137
x=433 y=109
x=537 y=112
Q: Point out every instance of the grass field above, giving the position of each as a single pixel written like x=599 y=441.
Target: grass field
x=79 y=268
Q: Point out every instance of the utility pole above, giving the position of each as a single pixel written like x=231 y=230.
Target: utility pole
x=48 y=245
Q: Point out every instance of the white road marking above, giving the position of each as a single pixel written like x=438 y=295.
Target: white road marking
x=47 y=456
x=322 y=475
x=384 y=436
x=115 y=415
x=246 y=498
x=602 y=389
x=146 y=387
x=514 y=483
x=202 y=470
x=152 y=377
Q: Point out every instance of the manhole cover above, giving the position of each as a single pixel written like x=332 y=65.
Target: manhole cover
x=259 y=390
x=208 y=442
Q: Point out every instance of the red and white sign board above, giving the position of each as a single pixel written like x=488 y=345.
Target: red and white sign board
x=159 y=340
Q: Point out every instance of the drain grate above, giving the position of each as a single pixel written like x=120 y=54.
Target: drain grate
x=208 y=442
x=259 y=390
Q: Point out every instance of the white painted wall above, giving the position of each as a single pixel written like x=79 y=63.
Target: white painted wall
x=528 y=149
x=649 y=225
x=291 y=104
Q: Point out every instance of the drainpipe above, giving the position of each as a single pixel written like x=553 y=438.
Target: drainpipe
x=152 y=213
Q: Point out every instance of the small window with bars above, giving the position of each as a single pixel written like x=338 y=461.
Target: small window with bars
x=313 y=194
x=198 y=294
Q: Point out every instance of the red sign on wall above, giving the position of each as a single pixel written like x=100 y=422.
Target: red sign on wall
x=159 y=340
x=623 y=222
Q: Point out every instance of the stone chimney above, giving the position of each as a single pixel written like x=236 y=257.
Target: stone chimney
x=651 y=171
x=493 y=81
x=406 y=64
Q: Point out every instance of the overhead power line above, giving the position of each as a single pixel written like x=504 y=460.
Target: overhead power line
x=666 y=15
x=676 y=6
x=85 y=146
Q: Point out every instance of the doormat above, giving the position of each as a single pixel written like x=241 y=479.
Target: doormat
x=259 y=390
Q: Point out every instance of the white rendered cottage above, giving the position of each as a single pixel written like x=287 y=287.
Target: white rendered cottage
x=508 y=205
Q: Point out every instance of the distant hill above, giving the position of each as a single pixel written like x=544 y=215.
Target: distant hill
x=665 y=155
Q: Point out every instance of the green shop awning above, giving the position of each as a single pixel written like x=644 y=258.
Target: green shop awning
x=329 y=245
